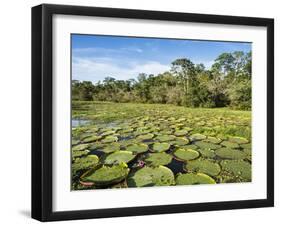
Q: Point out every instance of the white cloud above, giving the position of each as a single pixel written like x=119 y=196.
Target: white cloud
x=96 y=69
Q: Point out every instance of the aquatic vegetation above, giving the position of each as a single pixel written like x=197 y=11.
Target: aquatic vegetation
x=238 y=140
x=151 y=176
x=207 y=153
x=186 y=154
x=119 y=157
x=229 y=144
x=91 y=139
x=109 y=148
x=194 y=178
x=137 y=148
x=133 y=142
x=238 y=168
x=147 y=136
x=164 y=138
x=213 y=140
x=180 y=141
x=206 y=145
x=203 y=166
x=85 y=163
x=109 y=139
x=80 y=147
x=197 y=136
x=106 y=175
x=228 y=153
x=157 y=159
x=79 y=153
x=160 y=147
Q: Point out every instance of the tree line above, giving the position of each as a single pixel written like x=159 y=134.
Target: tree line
x=226 y=84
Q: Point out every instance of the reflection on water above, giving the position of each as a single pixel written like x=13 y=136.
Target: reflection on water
x=79 y=122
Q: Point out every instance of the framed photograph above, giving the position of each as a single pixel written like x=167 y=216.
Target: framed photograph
x=146 y=112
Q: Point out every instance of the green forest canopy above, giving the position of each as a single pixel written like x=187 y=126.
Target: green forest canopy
x=226 y=84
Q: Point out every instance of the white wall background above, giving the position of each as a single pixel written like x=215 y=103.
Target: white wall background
x=15 y=100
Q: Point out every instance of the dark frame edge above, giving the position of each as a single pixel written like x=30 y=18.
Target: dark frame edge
x=36 y=69
x=41 y=110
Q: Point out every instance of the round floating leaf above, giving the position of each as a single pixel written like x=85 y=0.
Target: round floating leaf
x=111 y=148
x=119 y=157
x=75 y=142
x=137 y=148
x=230 y=144
x=91 y=139
x=157 y=159
x=107 y=133
x=80 y=147
x=164 y=138
x=206 y=145
x=180 y=133
x=190 y=146
x=76 y=154
x=109 y=139
x=197 y=136
x=160 y=147
x=85 y=163
x=246 y=146
x=127 y=130
x=186 y=154
x=180 y=141
x=194 y=178
x=148 y=136
x=238 y=140
x=203 y=166
x=228 y=153
x=207 y=153
x=213 y=140
x=148 y=176
x=106 y=175
x=237 y=168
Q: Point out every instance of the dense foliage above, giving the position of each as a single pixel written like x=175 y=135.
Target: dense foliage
x=226 y=83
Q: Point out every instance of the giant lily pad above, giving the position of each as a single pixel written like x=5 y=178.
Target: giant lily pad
x=107 y=133
x=160 y=147
x=91 y=139
x=181 y=132
x=119 y=157
x=111 y=148
x=164 y=138
x=238 y=140
x=228 y=153
x=137 y=148
x=238 y=168
x=186 y=154
x=206 y=145
x=80 y=147
x=151 y=176
x=106 y=175
x=147 y=136
x=246 y=146
x=194 y=178
x=207 y=153
x=109 y=139
x=85 y=163
x=229 y=144
x=203 y=166
x=197 y=136
x=179 y=141
x=213 y=140
x=157 y=159
x=76 y=154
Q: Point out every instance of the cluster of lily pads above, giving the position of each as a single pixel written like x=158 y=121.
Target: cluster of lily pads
x=157 y=149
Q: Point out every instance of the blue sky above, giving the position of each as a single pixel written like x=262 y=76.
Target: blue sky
x=96 y=57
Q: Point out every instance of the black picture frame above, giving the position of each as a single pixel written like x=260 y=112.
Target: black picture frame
x=42 y=111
